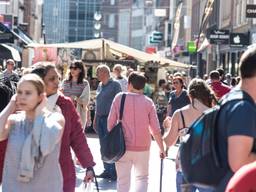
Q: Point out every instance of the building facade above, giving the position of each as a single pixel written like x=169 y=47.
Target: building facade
x=110 y=20
x=69 y=20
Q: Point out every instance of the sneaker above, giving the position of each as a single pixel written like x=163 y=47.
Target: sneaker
x=104 y=175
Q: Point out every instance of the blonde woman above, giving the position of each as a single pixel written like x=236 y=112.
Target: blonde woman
x=34 y=137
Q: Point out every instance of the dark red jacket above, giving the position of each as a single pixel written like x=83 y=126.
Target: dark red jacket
x=3 y=145
x=73 y=137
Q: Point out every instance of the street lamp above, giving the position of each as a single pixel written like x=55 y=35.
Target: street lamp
x=43 y=33
x=97 y=25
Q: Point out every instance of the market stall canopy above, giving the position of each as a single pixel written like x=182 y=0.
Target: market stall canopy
x=116 y=49
x=8 y=52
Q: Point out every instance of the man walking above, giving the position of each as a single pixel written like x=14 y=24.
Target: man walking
x=106 y=91
x=237 y=121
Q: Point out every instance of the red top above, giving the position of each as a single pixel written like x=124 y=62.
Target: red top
x=74 y=137
x=243 y=180
x=219 y=89
x=3 y=145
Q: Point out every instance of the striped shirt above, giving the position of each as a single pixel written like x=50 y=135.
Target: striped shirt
x=72 y=88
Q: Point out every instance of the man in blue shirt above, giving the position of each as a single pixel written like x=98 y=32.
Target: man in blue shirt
x=106 y=91
x=237 y=121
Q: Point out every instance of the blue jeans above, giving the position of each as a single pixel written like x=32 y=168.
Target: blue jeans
x=101 y=126
x=180 y=187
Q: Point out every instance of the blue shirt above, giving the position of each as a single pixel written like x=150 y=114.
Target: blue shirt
x=235 y=118
x=105 y=95
x=178 y=102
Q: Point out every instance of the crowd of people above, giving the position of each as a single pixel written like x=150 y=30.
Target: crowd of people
x=43 y=119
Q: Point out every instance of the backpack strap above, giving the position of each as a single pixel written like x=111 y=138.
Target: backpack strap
x=122 y=107
x=236 y=95
x=183 y=119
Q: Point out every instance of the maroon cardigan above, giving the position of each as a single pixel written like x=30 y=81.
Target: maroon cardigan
x=3 y=145
x=74 y=137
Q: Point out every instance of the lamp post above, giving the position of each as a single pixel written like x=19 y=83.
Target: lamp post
x=43 y=33
x=97 y=24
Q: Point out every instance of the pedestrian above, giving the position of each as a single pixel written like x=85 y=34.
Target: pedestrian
x=106 y=91
x=34 y=135
x=78 y=89
x=201 y=97
x=73 y=136
x=139 y=122
x=9 y=72
x=117 y=70
x=236 y=133
x=179 y=97
x=217 y=86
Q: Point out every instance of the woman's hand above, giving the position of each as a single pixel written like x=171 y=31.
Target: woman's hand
x=162 y=154
x=89 y=176
x=13 y=104
x=41 y=105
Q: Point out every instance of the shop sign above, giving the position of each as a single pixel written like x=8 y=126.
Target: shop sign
x=239 y=39
x=251 y=11
x=151 y=50
x=219 y=37
x=191 y=47
x=6 y=35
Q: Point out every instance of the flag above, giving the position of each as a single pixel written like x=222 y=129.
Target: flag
x=207 y=12
x=176 y=27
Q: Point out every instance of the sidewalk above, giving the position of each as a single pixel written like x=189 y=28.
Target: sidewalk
x=154 y=169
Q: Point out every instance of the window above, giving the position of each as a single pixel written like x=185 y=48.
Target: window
x=112 y=2
x=111 y=21
x=137 y=23
x=137 y=43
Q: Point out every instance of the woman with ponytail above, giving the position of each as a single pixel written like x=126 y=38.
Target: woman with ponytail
x=202 y=98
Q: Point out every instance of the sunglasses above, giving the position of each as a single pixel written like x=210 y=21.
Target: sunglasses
x=175 y=82
x=75 y=68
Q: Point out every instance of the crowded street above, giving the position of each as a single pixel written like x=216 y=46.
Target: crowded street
x=127 y=95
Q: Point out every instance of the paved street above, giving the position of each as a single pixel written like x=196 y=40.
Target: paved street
x=154 y=174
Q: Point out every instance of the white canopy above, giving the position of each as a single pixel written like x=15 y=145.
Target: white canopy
x=116 y=49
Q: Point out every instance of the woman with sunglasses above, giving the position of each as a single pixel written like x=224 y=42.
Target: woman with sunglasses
x=78 y=89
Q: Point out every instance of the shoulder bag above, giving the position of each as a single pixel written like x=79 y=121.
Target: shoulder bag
x=113 y=144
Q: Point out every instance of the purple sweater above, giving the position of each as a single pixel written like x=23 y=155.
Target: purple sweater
x=139 y=120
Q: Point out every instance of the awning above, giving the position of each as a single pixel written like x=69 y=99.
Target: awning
x=8 y=52
x=116 y=49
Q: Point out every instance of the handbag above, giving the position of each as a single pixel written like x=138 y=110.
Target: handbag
x=113 y=143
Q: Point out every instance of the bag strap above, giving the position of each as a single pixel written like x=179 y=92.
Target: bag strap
x=122 y=107
x=182 y=118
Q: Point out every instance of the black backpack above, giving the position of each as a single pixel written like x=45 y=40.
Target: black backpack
x=199 y=154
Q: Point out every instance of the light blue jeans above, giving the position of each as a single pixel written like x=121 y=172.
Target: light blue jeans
x=180 y=181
